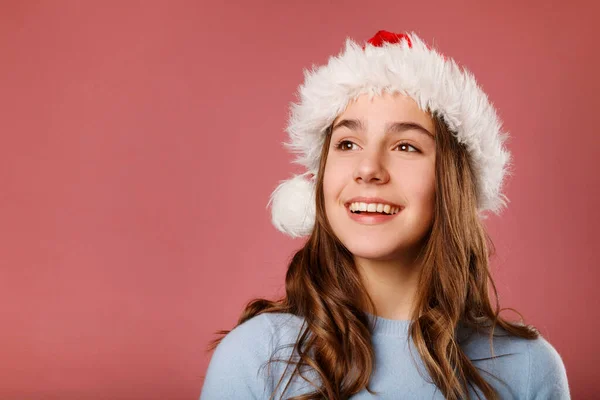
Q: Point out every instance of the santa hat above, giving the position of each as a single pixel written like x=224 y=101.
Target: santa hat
x=389 y=62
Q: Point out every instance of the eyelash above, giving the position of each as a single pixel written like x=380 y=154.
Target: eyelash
x=338 y=146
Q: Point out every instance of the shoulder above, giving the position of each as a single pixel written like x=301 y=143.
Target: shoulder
x=547 y=372
x=254 y=330
x=260 y=329
x=255 y=338
x=238 y=366
x=530 y=368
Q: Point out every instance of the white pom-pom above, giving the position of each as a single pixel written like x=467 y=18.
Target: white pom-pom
x=293 y=206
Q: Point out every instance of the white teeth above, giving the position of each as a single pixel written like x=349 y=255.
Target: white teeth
x=374 y=207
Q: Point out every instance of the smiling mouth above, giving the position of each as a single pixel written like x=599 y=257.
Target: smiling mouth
x=363 y=217
x=379 y=209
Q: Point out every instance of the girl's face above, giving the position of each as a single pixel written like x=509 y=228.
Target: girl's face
x=381 y=152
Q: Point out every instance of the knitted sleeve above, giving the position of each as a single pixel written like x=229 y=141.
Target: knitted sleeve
x=547 y=373
x=237 y=367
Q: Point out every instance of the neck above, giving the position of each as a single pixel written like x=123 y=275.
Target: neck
x=391 y=284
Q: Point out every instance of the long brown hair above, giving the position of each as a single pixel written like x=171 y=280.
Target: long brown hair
x=453 y=289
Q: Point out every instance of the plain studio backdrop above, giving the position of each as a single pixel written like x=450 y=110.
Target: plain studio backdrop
x=140 y=141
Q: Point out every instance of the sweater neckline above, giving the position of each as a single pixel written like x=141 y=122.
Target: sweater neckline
x=388 y=327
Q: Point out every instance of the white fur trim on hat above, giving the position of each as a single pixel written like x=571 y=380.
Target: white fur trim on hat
x=436 y=83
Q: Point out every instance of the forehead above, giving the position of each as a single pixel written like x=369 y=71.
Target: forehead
x=379 y=110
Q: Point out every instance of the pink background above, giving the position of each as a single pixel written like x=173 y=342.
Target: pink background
x=140 y=141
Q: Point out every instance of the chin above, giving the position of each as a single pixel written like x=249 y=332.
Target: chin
x=384 y=245
x=375 y=255
x=372 y=249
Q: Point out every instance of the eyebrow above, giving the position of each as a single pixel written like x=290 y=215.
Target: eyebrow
x=395 y=127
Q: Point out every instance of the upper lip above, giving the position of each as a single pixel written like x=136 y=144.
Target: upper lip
x=371 y=200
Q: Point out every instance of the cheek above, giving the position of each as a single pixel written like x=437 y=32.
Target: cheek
x=335 y=177
x=421 y=185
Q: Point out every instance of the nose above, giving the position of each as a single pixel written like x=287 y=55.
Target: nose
x=371 y=168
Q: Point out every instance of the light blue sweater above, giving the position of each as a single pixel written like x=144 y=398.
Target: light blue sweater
x=532 y=369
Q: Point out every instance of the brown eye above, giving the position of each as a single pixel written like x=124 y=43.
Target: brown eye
x=405 y=145
x=344 y=145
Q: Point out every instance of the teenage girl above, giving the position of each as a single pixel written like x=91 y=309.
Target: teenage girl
x=389 y=297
